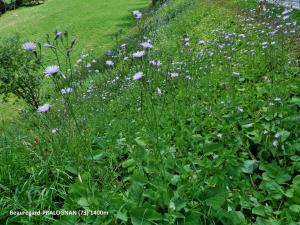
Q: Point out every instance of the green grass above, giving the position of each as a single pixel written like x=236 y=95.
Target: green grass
x=219 y=145
x=93 y=22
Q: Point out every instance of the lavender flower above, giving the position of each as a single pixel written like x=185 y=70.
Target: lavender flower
x=138 y=76
x=156 y=63
x=44 y=108
x=29 y=46
x=138 y=54
x=51 y=70
x=137 y=14
x=147 y=45
x=109 y=63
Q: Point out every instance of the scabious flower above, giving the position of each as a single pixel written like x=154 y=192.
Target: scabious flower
x=147 y=45
x=29 y=46
x=58 y=34
x=138 y=76
x=138 y=54
x=51 y=70
x=109 y=53
x=44 y=108
x=156 y=63
x=137 y=14
x=109 y=63
x=275 y=143
x=277 y=135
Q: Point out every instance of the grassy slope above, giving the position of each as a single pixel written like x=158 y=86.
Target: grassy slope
x=163 y=153
x=93 y=22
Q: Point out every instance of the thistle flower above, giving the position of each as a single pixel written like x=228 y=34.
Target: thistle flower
x=51 y=70
x=44 y=108
x=138 y=76
x=29 y=46
x=138 y=54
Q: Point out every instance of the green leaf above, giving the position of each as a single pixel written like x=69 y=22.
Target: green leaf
x=295 y=100
x=295 y=208
x=128 y=163
x=140 y=142
x=217 y=198
x=249 y=166
x=143 y=216
x=121 y=216
x=83 y=202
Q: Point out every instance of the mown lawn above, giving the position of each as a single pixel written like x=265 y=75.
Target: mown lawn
x=93 y=22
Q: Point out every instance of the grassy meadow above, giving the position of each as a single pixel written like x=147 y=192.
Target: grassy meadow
x=192 y=119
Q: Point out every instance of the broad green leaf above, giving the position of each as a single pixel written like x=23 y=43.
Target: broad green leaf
x=249 y=166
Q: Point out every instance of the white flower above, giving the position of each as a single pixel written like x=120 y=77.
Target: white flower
x=88 y=65
x=138 y=76
x=236 y=74
x=138 y=54
x=240 y=109
x=54 y=130
x=29 y=46
x=51 y=70
x=173 y=75
x=277 y=135
x=201 y=42
x=123 y=46
x=159 y=92
x=66 y=90
x=44 y=108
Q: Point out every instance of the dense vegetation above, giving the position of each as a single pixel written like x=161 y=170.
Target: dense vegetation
x=192 y=119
